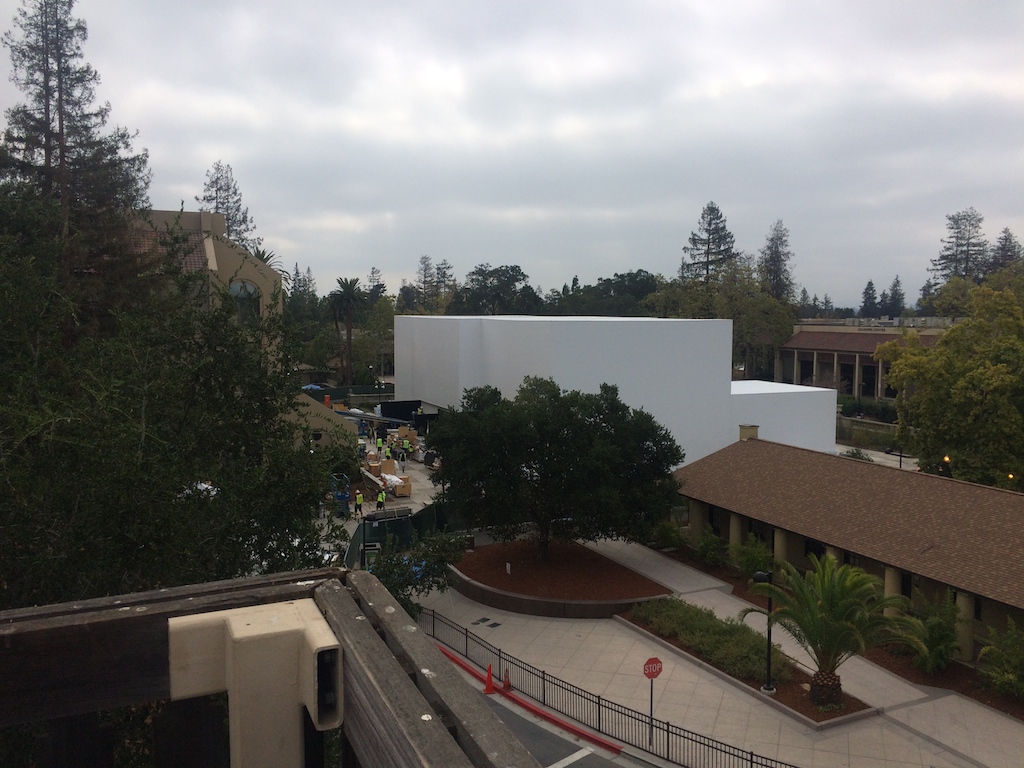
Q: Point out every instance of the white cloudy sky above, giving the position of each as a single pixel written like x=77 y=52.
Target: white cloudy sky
x=577 y=137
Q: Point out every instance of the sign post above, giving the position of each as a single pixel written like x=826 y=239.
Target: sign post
x=652 y=668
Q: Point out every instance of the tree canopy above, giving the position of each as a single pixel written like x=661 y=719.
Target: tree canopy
x=964 y=398
x=710 y=247
x=221 y=195
x=565 y=464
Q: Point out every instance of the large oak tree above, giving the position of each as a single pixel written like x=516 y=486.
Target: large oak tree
x=561 y=464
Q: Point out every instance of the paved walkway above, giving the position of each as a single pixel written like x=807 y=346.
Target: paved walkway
x=919 y=727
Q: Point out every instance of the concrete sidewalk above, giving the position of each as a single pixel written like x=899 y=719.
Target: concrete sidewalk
x=919 y=727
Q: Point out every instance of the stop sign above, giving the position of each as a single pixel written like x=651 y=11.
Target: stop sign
x=652 y=667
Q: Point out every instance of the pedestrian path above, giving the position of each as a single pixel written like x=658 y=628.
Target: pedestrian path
x=919 y=727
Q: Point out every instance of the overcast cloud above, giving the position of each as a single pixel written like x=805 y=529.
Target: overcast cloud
x=577 y=138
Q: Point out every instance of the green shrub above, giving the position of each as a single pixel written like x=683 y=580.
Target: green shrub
x=751 y=556
x=938 y=632
x=857 y=453
x=668 y=534
x=1003 y=661
x=730 y=645
x=711 y=548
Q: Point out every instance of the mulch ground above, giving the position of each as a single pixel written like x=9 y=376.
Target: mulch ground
x=573 y=572
x=570 y=572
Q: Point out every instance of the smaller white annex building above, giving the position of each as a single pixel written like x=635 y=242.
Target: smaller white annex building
x=679 y=371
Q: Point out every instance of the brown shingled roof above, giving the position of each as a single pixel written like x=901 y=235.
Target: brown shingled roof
x=192 y=251
x=961 y=534
x=834 y=341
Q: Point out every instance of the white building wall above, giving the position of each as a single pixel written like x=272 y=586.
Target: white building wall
x=677 y=370
x=785 y=413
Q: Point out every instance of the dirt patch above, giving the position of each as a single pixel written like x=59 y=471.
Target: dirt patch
x=570 y=572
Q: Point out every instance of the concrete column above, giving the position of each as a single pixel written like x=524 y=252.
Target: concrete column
x=735 y=529
x=835 y=370
x=698 y=519
x=965 y=629
x=835 y=552
x=778 y=365
x=796 y=366
x=892 y=586
x=780 y=545
x=814 y=369
x=856 y=377
x=880 y=381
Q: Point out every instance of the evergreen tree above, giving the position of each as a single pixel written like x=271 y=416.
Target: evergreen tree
x=924 y=303
x=773 y=268
x=1006 y=251
x=710 y=248
x=893 y=301
x=426 y=283
x=869 y=301
x=221 y=195
x=55 y=139
x=964 y=250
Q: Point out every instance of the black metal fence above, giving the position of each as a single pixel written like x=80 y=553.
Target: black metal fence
x=606 y=717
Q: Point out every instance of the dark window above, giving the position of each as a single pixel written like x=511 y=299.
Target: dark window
x=906 y=584
x=814 y=547
x=247 y=300
x=761 y=530
x=851 y=559
x=715 y=518
x=977 y=608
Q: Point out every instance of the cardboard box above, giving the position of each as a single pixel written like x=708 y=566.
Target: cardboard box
x=388 y=466
x=404 y=488
x=375 y=469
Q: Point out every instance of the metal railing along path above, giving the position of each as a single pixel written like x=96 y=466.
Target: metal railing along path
x=637 y=729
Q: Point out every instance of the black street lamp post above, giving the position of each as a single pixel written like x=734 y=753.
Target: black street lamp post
x=766 y=578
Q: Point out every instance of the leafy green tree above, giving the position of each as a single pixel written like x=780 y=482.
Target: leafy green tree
x=491 y=290
x=938 y=623
x=834 y=611
x=893 y=301
x=1002 y=660
x=773 y=267
x=155 y=454
x=710 y=246
x=344 y=301
x=964 y=398
x=964 y=249
x=221 y=195
x=418 y=570
x=760 y=323
x=565 y=465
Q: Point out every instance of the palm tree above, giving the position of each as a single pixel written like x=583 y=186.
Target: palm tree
x=343 y=301
x=835 y=612
x=273 y=261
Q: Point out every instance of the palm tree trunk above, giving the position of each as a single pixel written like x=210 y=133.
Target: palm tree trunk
x=348 y=348
x=826 y=689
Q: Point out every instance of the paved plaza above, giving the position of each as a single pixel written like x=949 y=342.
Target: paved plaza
x=918 y=727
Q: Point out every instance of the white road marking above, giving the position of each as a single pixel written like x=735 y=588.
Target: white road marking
x=571 y=759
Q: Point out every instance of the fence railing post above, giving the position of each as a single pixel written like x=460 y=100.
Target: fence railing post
x=543 y=688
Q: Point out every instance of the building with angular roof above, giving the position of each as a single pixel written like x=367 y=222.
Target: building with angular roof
x=918 y=532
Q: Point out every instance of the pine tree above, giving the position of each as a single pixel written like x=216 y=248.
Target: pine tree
x=426 y=282
x=869 y=301
x=710 y=248
x=55 y=139
x=1006 y=251
x=893 y=301
x=221 y=195
x=964 y=251
x=773 y=264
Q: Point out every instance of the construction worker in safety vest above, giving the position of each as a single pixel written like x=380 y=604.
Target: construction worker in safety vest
x=406 y=445
x=359 y=502
x=387 y=452
x=380 y=445
x=381 y=498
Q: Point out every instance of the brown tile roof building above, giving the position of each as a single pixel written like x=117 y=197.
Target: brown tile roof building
x=844 y=343
x=964 y=535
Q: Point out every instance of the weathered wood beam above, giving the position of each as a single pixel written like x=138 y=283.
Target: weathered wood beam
x=485 y=739
x=387 y=720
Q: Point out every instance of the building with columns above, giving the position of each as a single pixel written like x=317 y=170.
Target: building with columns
x=840 y=354
x=922 y=534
